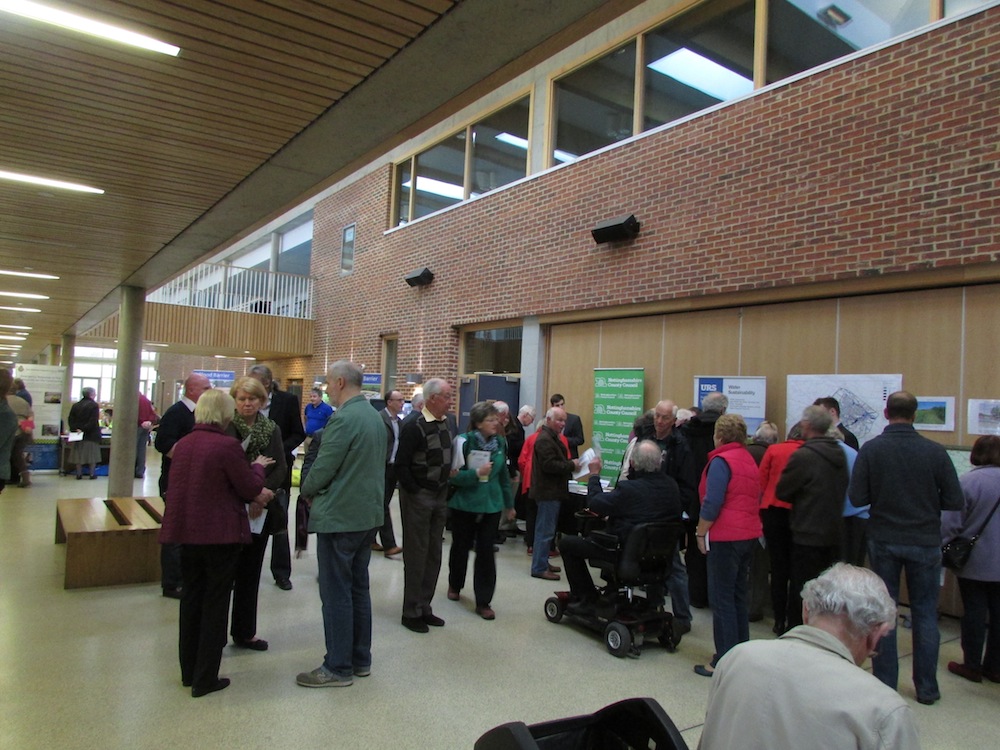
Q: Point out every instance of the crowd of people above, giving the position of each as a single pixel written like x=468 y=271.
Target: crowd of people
x=788 y=521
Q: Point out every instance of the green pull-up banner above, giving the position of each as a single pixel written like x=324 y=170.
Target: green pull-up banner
x=617 y=402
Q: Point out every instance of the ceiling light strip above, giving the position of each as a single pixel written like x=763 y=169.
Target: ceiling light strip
x=88 y=26
x=45 y=182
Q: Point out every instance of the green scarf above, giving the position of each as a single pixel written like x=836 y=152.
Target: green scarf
x=260 y=434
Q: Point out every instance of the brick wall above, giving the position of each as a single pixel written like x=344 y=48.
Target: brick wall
x=884 y=165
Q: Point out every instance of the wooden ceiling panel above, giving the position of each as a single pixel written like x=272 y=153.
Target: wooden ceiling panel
x=193 y=150
x=166 y=138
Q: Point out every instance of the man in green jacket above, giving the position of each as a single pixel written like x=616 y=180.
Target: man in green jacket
x=346 y=483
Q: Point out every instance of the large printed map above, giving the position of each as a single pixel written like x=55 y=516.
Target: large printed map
x=862 y=399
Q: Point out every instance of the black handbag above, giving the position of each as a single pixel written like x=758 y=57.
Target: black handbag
x=955 y=553
x=277 y=513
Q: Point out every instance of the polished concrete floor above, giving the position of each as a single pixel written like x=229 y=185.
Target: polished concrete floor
x=97 y=668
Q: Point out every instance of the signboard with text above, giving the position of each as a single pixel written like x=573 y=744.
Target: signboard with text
x=747 y=396
x=617 y=402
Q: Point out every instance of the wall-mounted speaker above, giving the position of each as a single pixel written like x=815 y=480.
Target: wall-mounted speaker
x=616 y=230
x=420 y=277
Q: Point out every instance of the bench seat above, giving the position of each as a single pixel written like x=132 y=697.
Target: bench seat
x=109 y=541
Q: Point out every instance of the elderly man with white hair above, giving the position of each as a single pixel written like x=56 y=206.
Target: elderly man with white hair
x=806 y=689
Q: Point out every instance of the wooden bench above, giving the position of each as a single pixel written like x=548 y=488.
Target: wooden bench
x=110 y=541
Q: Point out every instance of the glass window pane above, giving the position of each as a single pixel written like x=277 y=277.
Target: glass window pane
x=954 y=7
x=440 y=176
x=403 y=193
x=347 y=251
x=700 y=59
x=497 y=350
x=594 y=105
x=500 y=148
x=802 y=34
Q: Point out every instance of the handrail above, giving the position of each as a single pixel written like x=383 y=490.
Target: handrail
x=221 y=286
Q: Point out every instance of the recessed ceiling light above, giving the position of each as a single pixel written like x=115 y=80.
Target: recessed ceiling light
x=11 y=325
x=11 y=338
x=12 y=347
x=28 y=274
x=33 y=180
x=25 y=295
x=20 y=309
x=89 y=26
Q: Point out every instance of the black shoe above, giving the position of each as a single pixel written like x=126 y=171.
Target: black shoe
x=416 y=624
x=927 y=700
x=221 y=684
x=679 y=629
x=258 y=644
x=283 y=583
x=172 y=593
x=433 y=620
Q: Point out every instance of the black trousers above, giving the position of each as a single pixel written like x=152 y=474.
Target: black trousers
x=855 y=541
x=473 y=531
x=807 y=563
x=246 y=587
x=697 y=571
x=386 y=534
x=208 y=571
x=281 y=551
x=778 y=535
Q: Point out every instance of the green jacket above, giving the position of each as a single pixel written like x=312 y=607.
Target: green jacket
x=474 y=496
x=347 y=479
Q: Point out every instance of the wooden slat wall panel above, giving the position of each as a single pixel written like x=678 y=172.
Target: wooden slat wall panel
x=943 y=341
x=208 y=332
x=799 y=337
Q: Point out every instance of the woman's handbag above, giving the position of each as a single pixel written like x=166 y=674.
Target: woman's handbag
x=955 y=553
x=277 y=513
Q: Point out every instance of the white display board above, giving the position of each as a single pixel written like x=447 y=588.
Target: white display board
x=747 y=395
x=45 y=383
x=862 y=399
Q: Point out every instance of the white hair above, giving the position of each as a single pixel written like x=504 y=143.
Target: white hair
x=647 y=456
x=856 y=594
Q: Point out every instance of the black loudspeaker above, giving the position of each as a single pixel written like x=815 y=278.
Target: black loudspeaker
x=616 y=230
x=420 y=277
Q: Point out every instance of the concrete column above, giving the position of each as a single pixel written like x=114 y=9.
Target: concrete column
x=532 y=366
x=66 y=357
x=121 y=473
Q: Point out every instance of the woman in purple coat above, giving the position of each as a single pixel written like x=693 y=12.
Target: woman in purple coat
x=212 y=490
x=979 y=580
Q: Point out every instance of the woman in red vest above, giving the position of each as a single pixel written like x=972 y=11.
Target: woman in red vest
x=727 y=530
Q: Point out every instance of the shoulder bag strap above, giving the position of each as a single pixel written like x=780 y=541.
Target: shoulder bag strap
x=987 y=521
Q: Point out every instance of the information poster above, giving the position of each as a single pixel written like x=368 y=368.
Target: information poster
x=618 y=397
x=747 y=396
x=862 y=399
x=45 y=383
x=371 y=385
x=222 y=379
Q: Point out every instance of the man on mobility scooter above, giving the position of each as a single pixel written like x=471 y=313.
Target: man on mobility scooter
x=651 y=497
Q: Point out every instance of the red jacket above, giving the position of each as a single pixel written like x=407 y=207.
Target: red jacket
x=210 y=483
x=524 y=462
x=739 y=518
x=775 y=460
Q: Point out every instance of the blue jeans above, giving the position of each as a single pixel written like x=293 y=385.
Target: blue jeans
x=728 y=565
x=347 y=606
x=677 y=585
x=923 y=575
x=546 y=517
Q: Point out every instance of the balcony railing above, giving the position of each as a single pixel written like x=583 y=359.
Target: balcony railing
x=219 y=286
